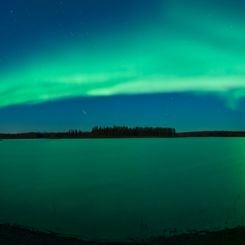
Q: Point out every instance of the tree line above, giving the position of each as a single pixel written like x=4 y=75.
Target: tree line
x=98 y=132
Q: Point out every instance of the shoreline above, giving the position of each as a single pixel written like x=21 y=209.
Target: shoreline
x=15 y=235
x=61 y=135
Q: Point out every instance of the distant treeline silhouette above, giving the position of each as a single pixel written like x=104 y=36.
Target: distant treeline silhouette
x=98 y=132
x=122 y=132
x=132 y=132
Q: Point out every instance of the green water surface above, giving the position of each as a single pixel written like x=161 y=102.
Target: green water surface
x=123 y=188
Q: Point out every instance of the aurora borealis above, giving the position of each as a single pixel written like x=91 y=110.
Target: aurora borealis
x=55 y=51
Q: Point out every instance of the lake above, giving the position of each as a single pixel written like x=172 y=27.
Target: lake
x=119 y=189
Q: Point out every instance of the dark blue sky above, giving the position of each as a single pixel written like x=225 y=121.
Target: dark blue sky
x=183 y=111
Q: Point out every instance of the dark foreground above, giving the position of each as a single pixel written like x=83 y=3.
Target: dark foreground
x=14 y=235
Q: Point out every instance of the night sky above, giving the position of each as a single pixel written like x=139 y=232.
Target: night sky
x=81 y=63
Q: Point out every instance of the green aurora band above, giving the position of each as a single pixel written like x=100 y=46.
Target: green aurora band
x=197 y=51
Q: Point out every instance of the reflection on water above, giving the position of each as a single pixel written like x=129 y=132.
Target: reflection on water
x=122 y=188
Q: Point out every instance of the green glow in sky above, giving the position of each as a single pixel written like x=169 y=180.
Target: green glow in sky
x=189 y=49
